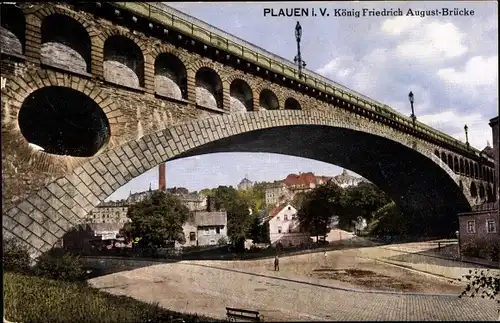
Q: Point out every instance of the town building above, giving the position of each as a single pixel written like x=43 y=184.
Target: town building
x=276 y=193
x=109 y=212
x=245 y=184
x=284 y=227
x=304 y=182
x=193 y=201
x=479 y=232
x=205 y=228
x=293 y=184
x=345 y=180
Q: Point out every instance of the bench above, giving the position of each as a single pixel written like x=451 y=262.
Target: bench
x=238 y=313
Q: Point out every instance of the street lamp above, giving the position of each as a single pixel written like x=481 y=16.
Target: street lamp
x=466 y=135
x=298 y=58
x=411 y=98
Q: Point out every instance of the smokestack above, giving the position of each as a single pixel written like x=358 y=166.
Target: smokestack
x=162 y=184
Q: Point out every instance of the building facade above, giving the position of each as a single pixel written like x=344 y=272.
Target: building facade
x=345 y=180
x=276 y=193
x=479 y=234
x=109 y=212
x=245 y=184
x=205 y=228
x=284 y=227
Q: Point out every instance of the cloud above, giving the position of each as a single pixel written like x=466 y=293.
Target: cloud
x=399 y=25
x=478 y=71
x=425 y=39
x=453 y=124
x=433 y=41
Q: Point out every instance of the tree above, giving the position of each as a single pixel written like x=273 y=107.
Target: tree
x=318 y=208
x=156 y=220
x=484 y=283
x=388 y=220
x=361 y=201
x=238 y=215
x=258 y=232
x=299 y=199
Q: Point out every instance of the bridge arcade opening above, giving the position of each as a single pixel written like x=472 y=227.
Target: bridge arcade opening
x=62 y=121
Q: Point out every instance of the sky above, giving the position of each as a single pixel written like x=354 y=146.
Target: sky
x=450 y=63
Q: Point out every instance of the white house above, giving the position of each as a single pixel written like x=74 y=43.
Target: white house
x=284 y=227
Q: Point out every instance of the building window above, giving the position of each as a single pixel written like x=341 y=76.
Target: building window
x=212 y=230
x=289 y=208
x=278 y=217
x=491 y=226
x=471 y=226
x=217 y=230
x=285 y=217
x=279 y=229
x=206 y=232
x=212 y=242
x=192 y=236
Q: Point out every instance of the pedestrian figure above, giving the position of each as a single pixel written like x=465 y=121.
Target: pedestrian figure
x=276 y=263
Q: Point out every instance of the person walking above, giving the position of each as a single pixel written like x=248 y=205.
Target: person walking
x=276 y=263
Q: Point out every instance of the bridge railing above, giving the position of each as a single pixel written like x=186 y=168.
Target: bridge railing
x=200 y=30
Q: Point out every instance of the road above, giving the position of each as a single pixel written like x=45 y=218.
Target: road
x=348 y=285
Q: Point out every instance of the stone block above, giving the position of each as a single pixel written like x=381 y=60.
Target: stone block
x=81 y=201
x=56 y=190
x=70 y=189
x=38 y=216
x=98 y=178
x=51 y=226
x=12 y=212
x=89 y=169
x=26 y=207
x=99 y=166
x=21 y=232
x=107 y=189
x=68 y=201
x=35 y=241
x=36 y=229
x=44 y=193
x=38 y=203
x=23 y=218
x=8 y=223
x=49 y=238
x=83 y=189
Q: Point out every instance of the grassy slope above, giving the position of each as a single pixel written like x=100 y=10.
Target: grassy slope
x=35 y=299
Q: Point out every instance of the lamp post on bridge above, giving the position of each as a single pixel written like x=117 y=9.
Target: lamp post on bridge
x=466 y=136
x=411 y=98
x=298 y=58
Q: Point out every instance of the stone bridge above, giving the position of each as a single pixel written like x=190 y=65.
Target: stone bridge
x=96 y=94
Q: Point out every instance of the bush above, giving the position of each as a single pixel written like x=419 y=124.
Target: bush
x=222 y=241
x=16 y=257
x=483 y=249
x=66 y=267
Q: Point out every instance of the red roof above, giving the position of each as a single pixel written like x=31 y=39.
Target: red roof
x=278 y=209
x=305 y=179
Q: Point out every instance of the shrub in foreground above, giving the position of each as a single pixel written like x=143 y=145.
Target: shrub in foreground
x=15 y=256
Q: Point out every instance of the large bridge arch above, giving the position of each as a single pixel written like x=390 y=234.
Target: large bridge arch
x=45 y=215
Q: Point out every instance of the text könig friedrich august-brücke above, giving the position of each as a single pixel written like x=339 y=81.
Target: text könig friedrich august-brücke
x=365 y=12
